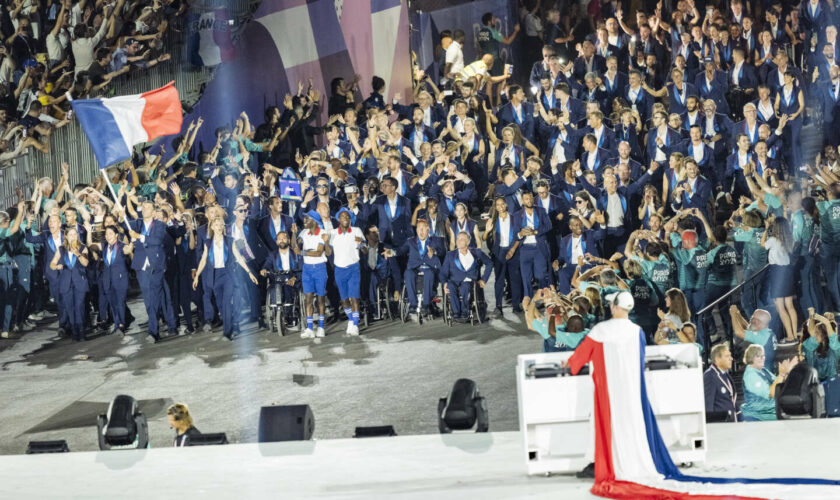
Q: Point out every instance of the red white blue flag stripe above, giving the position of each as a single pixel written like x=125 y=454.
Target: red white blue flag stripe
x=113 y=126
x=631 y=459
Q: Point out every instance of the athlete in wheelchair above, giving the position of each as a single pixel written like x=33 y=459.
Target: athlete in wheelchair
x=463 y=280
x=380 y=271
x=425 y=254
x=282 y=269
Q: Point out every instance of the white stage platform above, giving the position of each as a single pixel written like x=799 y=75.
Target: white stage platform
x=429 y=466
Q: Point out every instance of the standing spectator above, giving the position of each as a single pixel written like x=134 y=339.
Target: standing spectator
x=454 y=61
x=720 y=395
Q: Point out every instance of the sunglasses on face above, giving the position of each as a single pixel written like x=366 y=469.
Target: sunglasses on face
x=242 y=210
x=322 y=186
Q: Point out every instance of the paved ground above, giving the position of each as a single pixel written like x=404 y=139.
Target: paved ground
x=393 y=374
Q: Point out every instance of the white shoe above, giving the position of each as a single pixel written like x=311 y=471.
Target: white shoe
x=307 y=334
x=320 y=332
x=349 y=327
x=355 y=331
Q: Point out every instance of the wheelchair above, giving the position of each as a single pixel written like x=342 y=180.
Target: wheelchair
x=382 y=306
x=277 y=312
x=405 y=305
x=478 y=307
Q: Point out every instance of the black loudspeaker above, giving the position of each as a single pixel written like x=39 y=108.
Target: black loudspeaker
x=376 y=431
x=37 y=447
x=207 y=439
x=286 y=423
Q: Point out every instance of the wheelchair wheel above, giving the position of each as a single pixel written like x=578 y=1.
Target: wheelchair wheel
x=365 y=315
x=478 y=306
x=269 y=313
x=280 y=320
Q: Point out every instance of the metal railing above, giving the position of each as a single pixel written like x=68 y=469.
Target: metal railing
x=701 y=314
x=70 y=143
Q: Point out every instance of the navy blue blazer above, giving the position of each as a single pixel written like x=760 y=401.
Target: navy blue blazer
x=273 y=263
x=209 y=265
x=265 y=228
x=673 y=141
x=607 y=140
x=675 y=100
x=114 y=273
x=564 y=244
x=542 y=225
x=599 y=65
x=602 y=157
x=45 y=238
x=643 y=102
x=71 y=278
x=716 y=91
x=718 y=390
x=576 y=109
x=453 y=270
x=411 y=247
x=723 y=126
x=708 y=154
x=734 y=180
x=152 y=248
x=747 y=77
x=394 y=229
x=830 y=102
x=699 y=199
x=255 y=243
x=616 y=87
x=507 y=116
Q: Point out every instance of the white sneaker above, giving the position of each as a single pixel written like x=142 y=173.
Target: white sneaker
x=355 y=331
x=307 y=334
x=349 y=327
x=320 y=332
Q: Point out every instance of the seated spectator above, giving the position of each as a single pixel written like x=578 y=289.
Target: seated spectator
x=757 y=331
x=760 y=385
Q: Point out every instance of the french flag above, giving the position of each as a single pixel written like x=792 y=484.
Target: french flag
x=631 y=459
x=113 y=126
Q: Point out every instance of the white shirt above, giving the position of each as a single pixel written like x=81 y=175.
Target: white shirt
x=559 y=152
x=742 y=159
x=765 y=111
x=529 y=222
x=218 y=253
x=393 y=205
x=278 y=226
x=345 y=247
x=590 y=160
x=57 y=45
x=735 y=72
x=710 y=131
x=776 y=253
x=310 y=243
x=504 y=232
x=697 y=151
x=237 y=234
x=692 y=118
x=284 y=259
x=577 y=249
x=614 y=211
x=455 y=57
x=544 y=202
x=466 y=260
x=660 y=155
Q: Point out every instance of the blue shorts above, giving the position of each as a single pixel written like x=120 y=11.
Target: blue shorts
x=314 y=278
x=347 y=279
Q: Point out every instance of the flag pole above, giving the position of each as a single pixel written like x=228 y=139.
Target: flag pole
x=114 y=194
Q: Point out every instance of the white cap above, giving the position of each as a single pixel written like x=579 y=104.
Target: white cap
x=621 y=299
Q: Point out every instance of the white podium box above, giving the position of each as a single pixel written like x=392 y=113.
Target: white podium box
x=555 y=408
